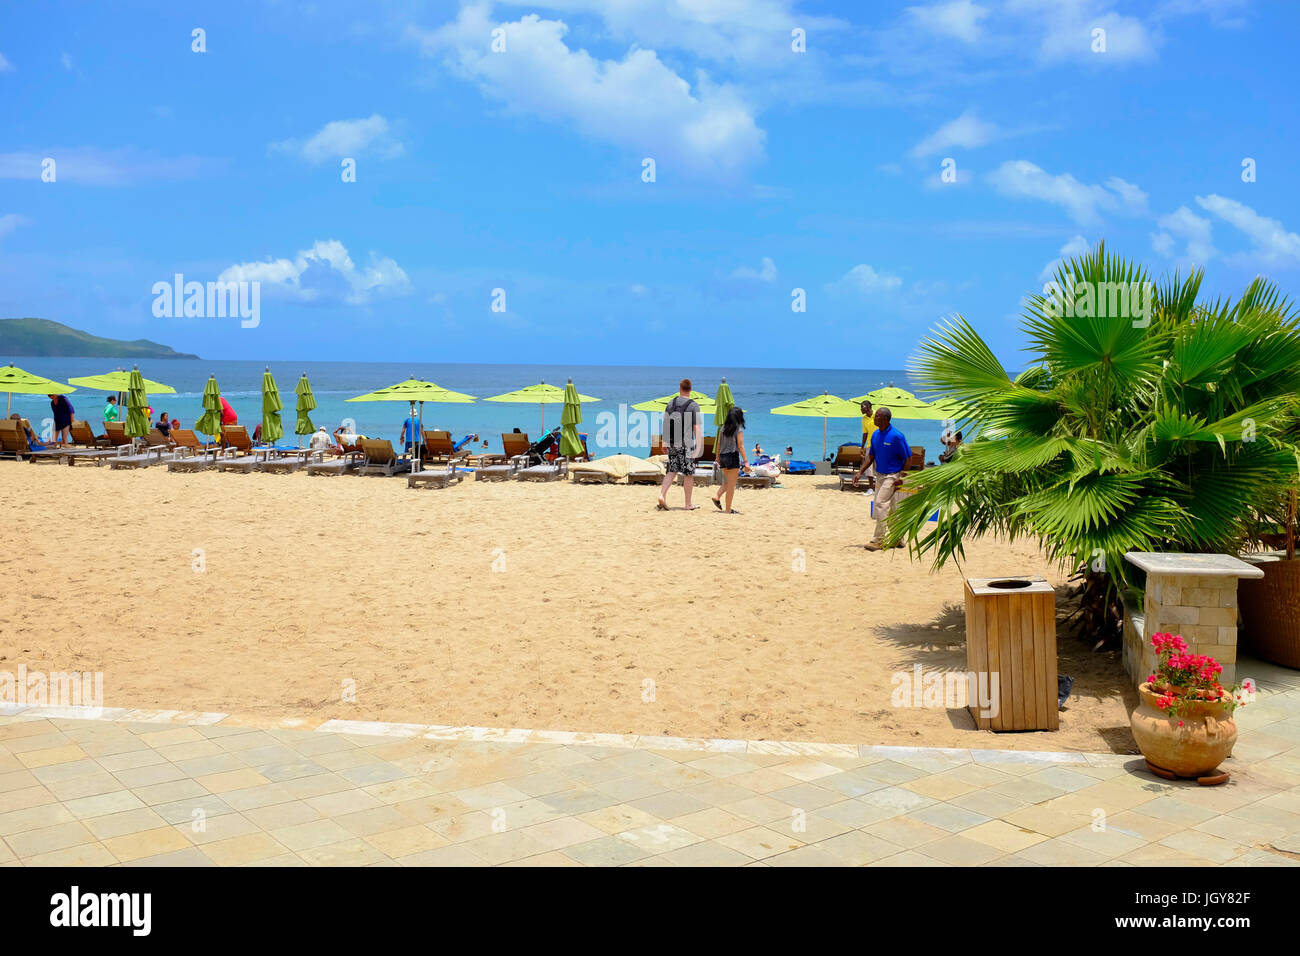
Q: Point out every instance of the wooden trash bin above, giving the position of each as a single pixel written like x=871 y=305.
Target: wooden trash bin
x=1011 y=633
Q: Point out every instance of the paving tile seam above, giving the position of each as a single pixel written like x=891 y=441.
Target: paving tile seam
x=368 y=728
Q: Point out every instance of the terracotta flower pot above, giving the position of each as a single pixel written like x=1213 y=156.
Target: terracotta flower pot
x=1193 y=750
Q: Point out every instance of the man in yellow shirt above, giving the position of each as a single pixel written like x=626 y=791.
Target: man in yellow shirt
x=868 y=427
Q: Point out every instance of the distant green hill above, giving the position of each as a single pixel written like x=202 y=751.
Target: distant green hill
x=42 y=337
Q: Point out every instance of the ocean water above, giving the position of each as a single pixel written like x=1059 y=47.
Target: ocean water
x=610 y=424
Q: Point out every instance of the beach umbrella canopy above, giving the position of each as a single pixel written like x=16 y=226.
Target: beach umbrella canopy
x=723 y=404
x=137 y=404
x=272 y=427
x=210 y=422
x=120 y=382
x=306 y=402
x=540 y=394
x=822 y=406
x=16 y=380
x=570 y=440
x=661 y=404
x=903 y=404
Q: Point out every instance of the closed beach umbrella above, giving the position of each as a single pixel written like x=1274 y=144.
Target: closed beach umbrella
x=661 y=404
x=415 y=391
x=570 y=416
x=210 y=422
x=541 y=395
x=137 y=404
x=723 y=405
x=306 y=402
x=14 y=379
x=822 y=406
x=903 y=404
x=272 y=428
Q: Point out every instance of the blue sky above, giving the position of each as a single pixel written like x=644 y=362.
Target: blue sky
x=522 y=169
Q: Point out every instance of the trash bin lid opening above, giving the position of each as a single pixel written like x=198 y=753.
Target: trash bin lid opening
x=1010 y=584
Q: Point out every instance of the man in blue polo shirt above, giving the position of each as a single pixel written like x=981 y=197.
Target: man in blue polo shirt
x=890 y=453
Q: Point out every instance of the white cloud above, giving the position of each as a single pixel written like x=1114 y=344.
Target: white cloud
x=5 y=65
x=636 y=103
x=1182 y=223
x=325 y=271
x=1072 y=249
x=9 y=222
x=766 y=272
x=1066 y=28
x=346 y=138
x=967 y=131
x=97 y=167
x=1270 y=242
x=959 y=19
x=1021 y=179
x=66 y=60
x=864 y=279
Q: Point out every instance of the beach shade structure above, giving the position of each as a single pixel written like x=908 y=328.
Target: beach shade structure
x=722 y=406
x=119 y=382
x=272 y=427
x=210 y=422
x=661 y=404
x=416 y=391
x=903 y=404
x=16 y=380
x=570 y=417
x=822 y=406
x=137 y=405
x=306 y=402
x=541 y=395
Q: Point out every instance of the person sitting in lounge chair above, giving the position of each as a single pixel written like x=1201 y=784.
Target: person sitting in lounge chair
x=163 y=425
x=321 y=441
x=34 y=443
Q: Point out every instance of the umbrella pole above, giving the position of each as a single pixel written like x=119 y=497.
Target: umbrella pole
x=824 y=437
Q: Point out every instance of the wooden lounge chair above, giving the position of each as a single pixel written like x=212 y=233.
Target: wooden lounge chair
x=116 y=434
x=917 y=461
x=548 y=471
x=848 y=459
x=13 y=440
x=439 y=448
x=337 y=466
x=590 y=476
x=192 y=454
x=380 y=459
x=241 y=454
x=435 y=477
x=755 y=481
x=503 y=467
x=644 y=477
x=84 y=435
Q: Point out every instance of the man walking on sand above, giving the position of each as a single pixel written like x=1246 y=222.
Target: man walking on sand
x=683 y=435
x=889 y=452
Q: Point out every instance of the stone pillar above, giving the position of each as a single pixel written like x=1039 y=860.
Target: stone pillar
x=1194 y=595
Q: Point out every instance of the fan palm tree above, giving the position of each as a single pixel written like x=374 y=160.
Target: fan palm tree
x=1158 y=429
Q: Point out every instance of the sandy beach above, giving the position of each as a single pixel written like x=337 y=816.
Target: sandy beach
x=535 y=605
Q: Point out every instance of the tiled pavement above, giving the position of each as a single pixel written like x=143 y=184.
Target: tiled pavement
x=145 y=788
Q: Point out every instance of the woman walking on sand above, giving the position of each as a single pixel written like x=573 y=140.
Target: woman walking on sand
x=731 y=445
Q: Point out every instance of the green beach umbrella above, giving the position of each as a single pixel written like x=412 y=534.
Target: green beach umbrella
x=570 y=440
x=16 y=380
x=822 y=406
x=414 y=391
x=661 y=404
x=137 y=406
x=120 y=382
x=210 y=422
x=272 y=427
x=723 y=405
x=306 y=402
x=541 y=395
x=903 y=404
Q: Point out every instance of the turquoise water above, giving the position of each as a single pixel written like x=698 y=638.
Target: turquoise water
x=610 y=429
